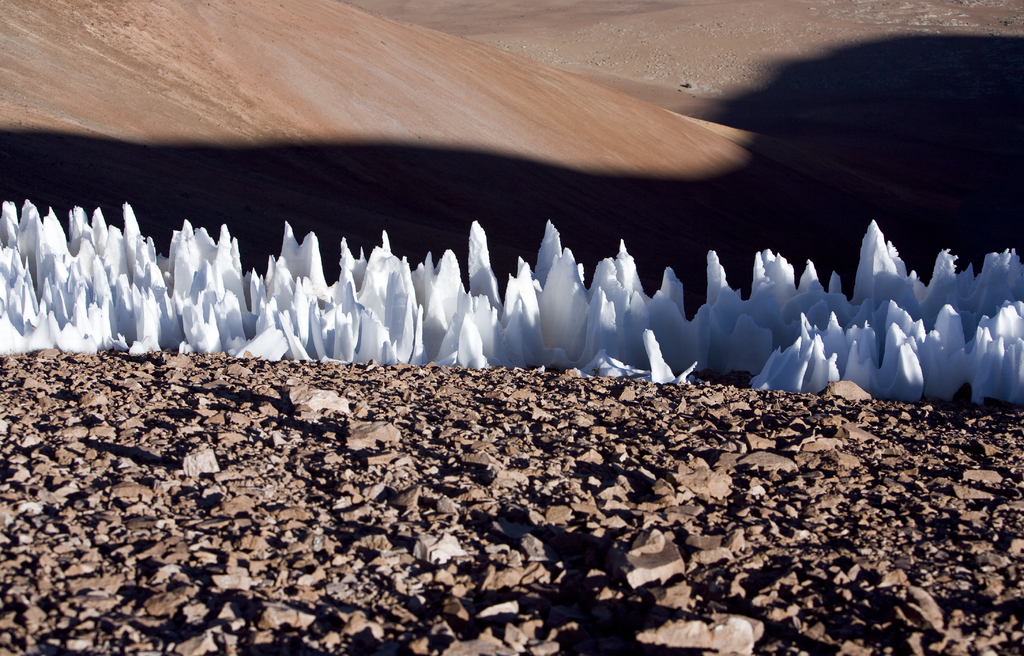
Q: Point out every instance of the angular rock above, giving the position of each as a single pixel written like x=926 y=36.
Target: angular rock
x=503 y=612
x=317 y=400
x=854 y=432
x=277 y=617
x=202 y=461
x=438 y=550
x=731 y=635
x=373 y=435
x=197 y=646
x=536 y=551
x=767 y=461
x=846 y=389
x=478 y=648
x=922 y=610
x=165 y=604
x=983 y=476
x=642 y=568
x=705 y=484
x=408 y=500
x=234 y=581
x=969 y=493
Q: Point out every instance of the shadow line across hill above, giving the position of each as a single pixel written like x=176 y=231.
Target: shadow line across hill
x=924 y=135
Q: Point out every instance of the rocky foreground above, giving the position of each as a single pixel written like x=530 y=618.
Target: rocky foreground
x=205 y=504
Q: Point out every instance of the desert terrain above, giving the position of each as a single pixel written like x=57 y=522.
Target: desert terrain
x=171 y=504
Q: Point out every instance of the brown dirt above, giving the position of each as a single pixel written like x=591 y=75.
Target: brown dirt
x=834 y=526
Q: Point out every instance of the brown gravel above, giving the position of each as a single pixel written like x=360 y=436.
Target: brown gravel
x=448 y=511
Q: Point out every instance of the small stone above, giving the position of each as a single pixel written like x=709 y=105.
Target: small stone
x=993 y=559
x=447 y=506
x=505 y=611
x=372 y=435
x=407 y=500
x=455 y=613
x=846 y=389
x=894 y=577
x=854 y=432
x=559 y=515
x=131 y=491
x=767 y=461
x=317 y=400
x=675 y=596
x=478 y=648
x=234 y=581
x=535 y=550
x=514 y=637
x=543 y=647
x=641 y=569
x=238 y=371
x=438 y=551
x=733 y=634
x=279 y=616
x=92 y=399
x=165 y=604
x=705 y=484
x=711 y=556
x=197 y=646
x=203 y=461
x=736 y=541
x=178 y=361
x=757 y=442
x=969 y=493
x=680 y=634
x=922 y=610
x=236 y=506
x=983 y=449
x=648 y=542
x=983 y=475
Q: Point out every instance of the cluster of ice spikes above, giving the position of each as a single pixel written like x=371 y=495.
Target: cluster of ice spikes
x=97 y=287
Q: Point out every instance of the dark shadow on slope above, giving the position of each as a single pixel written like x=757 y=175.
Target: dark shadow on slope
x=934 y=124
x=427 y=198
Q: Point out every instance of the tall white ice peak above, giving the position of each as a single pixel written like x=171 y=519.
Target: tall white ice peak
x=881 y=274
x=303 y=261
x=625 y=270
x=550 y=250
x=835 y=285
x=132 y=237
x=482 y=281
x=564 y=308
x=809 y=280
x=716 y=278
x=773 y=272
x=9 y=225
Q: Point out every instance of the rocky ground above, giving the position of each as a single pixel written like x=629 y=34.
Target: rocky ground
x=195 y=505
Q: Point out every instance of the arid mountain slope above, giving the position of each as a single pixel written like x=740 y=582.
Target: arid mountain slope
x=257 y=71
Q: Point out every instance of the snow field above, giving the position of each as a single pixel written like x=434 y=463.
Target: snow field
x=97 y=287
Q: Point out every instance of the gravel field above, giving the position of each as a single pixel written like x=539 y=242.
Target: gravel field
x=204 y=504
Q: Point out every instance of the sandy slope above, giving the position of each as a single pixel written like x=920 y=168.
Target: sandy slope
x=254 y=71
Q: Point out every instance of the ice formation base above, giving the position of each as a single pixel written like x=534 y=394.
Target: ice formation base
x=97 y=287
